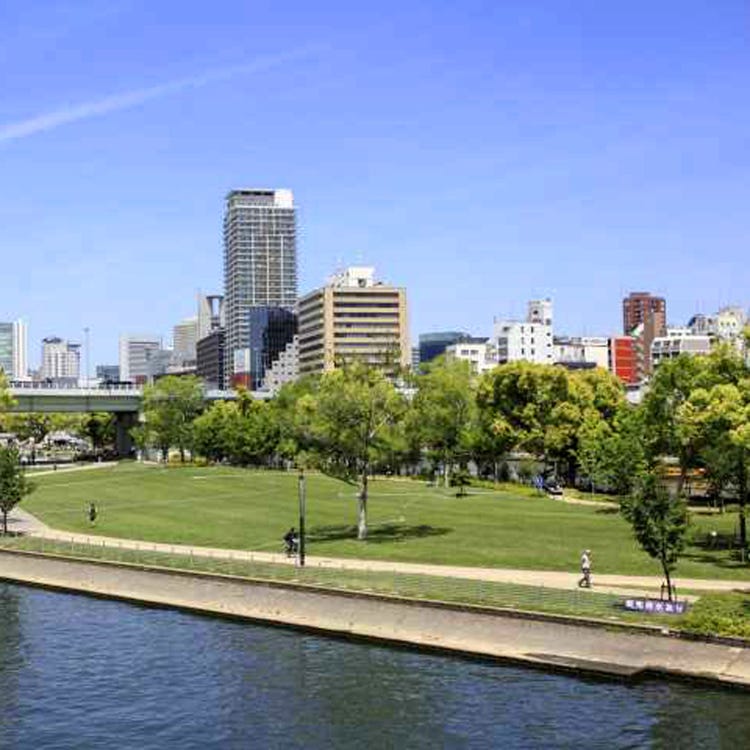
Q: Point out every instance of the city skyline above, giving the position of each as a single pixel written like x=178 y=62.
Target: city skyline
x=510 y=145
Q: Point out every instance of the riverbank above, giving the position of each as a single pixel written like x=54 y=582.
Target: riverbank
x=550 y=642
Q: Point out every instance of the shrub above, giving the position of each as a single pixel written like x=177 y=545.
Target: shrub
x=720 y=614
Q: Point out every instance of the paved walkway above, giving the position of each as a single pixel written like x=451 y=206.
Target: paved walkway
x=65 y=469
x=23 y=522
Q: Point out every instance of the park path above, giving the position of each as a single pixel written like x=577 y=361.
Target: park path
x=23 y=522
x=68 y=469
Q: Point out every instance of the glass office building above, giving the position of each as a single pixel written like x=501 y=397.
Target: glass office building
x=432 y=345
x=270 y=330
x=6 y=349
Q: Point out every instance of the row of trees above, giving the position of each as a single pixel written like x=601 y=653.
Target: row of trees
x=353 y=421
x=99 y=428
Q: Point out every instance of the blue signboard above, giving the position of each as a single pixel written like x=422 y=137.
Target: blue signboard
x=656 y=606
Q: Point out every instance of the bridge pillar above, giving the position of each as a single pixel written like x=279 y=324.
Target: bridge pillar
x=124 y=423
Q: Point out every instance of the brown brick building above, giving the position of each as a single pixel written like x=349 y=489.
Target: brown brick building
x=639 y=307
x=644 y=317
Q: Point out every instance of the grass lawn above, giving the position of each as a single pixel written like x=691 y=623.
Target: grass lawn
x=245 y=509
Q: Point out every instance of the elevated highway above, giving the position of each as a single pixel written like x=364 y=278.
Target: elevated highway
x=125 y=401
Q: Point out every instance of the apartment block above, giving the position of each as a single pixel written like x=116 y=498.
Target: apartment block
x=679 y=341
x=642 y=308
x=260 y=261
x=530 y=340
x=61 y=361
x=353 y=318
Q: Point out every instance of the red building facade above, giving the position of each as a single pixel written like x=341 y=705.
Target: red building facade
x=623 y=359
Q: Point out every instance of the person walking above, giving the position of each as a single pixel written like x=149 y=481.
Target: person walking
x=585 y=581
x=92 y=514
x=291 y=543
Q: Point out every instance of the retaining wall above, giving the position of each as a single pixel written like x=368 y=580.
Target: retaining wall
x=552 y=642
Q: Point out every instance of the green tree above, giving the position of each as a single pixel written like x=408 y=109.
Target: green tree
x=443 y=411
x=461 y=479
x=99 y=429
x=6 y=399
x=716 y=421
x=253 y=432
x=293 y=437
x=212 y=431
x=517 y=404
x=545 y=410
x=170 y=406
x=13 y=483
x=344 y=426
x=612 y=454
x=660 y=521
x=671 y=387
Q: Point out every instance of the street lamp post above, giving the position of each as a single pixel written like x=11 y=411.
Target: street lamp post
x=301 y=496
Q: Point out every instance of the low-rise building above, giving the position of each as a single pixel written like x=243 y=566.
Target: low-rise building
x=529 y=340
x=480 y=353
x=581 y=351
x=679 y=341
x=108 y=373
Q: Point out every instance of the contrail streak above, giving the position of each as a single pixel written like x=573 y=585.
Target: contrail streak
x=128 y=99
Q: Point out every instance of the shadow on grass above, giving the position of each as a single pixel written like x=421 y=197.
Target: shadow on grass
x=386 y=532
x=711 y=558
x=609 y=511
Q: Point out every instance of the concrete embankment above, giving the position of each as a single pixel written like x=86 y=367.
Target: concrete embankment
x=549 y=642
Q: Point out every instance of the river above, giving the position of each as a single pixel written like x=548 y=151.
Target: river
x=77 y=672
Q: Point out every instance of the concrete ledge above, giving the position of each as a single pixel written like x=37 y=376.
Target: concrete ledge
x=554 y=642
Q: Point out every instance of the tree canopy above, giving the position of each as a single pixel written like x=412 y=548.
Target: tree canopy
x=659 y=520
x=13 y=483
x=170 y=406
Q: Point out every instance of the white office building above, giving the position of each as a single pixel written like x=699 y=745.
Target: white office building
x=529 y=340
x=61 y=360
x=679 y=341
x=185 y=339
x=14 y=350
x=136 y=353
x=480 y=353
x=575 y=351
x=20 y=351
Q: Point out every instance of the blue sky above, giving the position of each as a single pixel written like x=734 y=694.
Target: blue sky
x=478 y=153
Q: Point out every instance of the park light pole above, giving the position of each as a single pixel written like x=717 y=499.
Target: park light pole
x=301 y=497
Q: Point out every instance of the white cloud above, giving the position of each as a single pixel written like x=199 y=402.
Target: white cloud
x=128 y=99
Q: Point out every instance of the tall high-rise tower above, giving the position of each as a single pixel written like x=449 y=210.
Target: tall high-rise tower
x=260 y=260
x=13 y=350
